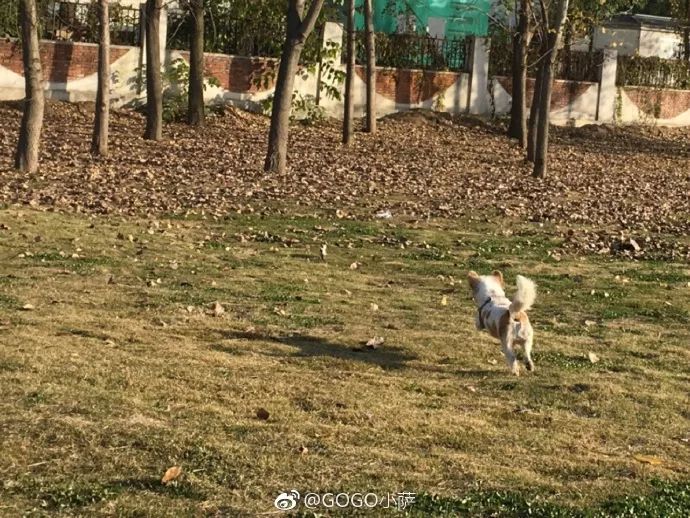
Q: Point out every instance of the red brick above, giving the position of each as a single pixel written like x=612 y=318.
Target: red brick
x=410 y=86
x=663 y=104
x=61 y=60
x=564 y=92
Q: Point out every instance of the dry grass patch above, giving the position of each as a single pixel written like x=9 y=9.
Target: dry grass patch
x=121 y=369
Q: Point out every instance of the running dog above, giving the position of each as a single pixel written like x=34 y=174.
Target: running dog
x=505 y=319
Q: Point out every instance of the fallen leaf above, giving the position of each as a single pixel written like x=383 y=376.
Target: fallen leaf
x=28 y=307
x=444 y=301
x=375 y=343
x=171 y=474
x=354 y=266
x=592 y=357
x=374 y=307
x=218 y=309
x=262 y=414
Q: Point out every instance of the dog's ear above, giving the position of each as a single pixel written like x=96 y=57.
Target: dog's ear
x=473 y=279
x=499 y=276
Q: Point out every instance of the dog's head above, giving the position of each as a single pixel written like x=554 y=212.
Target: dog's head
x=485 y=286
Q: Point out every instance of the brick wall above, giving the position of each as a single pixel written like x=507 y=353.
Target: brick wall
x=410 y=86
x=563 y=94
x=65 y=62
x=662 y=104
x=61 y=60
x=239 y=74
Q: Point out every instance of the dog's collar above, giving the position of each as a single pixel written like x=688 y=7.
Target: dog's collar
x=481 y=308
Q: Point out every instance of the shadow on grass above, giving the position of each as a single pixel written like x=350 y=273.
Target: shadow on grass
x=314 y=347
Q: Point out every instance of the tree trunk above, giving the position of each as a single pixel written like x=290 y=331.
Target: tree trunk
x=195 y=109
x=99 y=140
x=154 y=88
x=534 y=114
x=567 y=51
x=298 y=31
x=26 y=156
x=686 y=32
x=542 y=141
x=371 y=67
x=349 y=74
x=518 y=111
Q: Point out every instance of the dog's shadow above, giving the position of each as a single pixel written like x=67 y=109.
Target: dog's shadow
x=386 y=357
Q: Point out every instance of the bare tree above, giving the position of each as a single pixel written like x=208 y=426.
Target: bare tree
x=552 y=29
x=685 y=23
x=521 y=40
x=298 y=30
x=154 y=87
x=349 y=74
x=370 y=126
x=26 y=157
x=99 y=139
x=195 y=110
x=534 y=115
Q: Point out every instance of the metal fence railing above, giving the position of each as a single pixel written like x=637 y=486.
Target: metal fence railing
x=66 y=20
x=579 y=66
x=245 y=28
x=653 y=72
x=226 y=35
x=417 y=51
x=72 y=20
x=570 y=65
x=9 y=19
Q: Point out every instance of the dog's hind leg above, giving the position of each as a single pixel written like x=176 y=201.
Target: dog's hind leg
x=528 y=353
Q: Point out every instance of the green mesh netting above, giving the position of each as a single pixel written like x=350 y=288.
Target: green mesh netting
x=442 y=18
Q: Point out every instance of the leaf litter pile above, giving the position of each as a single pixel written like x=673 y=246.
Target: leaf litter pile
x=619 y=191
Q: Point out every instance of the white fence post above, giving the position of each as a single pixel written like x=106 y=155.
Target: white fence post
x=478 y=103
x=606 y=106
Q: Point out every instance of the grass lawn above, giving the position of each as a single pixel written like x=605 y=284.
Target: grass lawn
x=116 y=364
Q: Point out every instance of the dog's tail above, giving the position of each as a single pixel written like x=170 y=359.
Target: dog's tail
x=525 y=296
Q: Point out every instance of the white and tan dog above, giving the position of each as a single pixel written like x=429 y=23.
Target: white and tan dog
x=504 y=319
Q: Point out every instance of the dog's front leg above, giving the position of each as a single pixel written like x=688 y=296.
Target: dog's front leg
x=478 y=322
x=509 y=353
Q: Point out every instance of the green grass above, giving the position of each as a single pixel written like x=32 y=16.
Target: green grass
x=114 y=377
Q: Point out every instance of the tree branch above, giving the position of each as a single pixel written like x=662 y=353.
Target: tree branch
x=309 y=20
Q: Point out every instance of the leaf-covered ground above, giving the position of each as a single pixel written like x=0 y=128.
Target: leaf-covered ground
x=605 y=185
